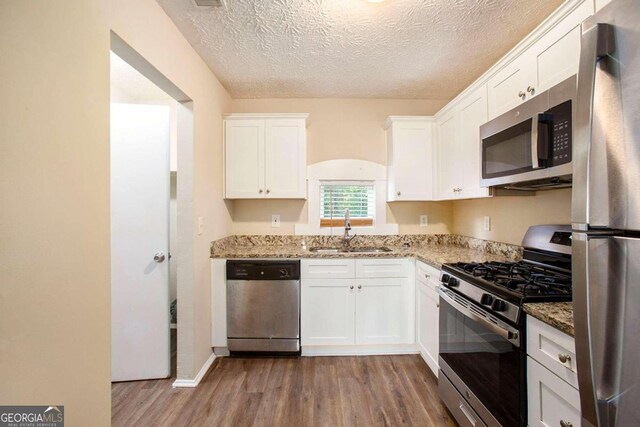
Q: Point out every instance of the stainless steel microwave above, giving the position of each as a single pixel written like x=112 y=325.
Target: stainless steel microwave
x=529 y=147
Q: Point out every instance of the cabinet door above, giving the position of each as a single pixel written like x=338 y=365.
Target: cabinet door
x=244 y=159
x=286 y=159
x=552 y=402
x=383 y=312
x=448 y=156
x=427 y=306
x=411 y=161
x=327 y=315
x=473 y=114
x=557 y=53
x=505 y=87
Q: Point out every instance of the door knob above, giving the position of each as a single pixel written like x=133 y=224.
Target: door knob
x=359 y=286
x=522 y=95
x=564 y=423
x=158 y=257
x=564 y=358
x=268 y=191
x=398 y=193
x=351 y=287
x=531 y=90
x=260 y=191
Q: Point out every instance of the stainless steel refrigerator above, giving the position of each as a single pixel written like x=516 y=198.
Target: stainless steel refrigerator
x=606 y=217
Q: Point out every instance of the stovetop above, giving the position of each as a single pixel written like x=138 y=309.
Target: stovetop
x=517 y=282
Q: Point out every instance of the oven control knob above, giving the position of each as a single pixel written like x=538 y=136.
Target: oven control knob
x=453 y=282
x=486 y=299
x=445 y=278
x=499 y=305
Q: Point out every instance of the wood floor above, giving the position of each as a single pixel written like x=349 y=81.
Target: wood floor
x=305 y=391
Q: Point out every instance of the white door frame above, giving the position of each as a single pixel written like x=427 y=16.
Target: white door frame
x=185 y=228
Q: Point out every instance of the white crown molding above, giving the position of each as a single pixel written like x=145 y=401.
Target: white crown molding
x=392 y=119
x=187 y=383
x=266 y=116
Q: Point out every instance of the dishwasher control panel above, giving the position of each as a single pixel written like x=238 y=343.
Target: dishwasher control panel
x=263 y=270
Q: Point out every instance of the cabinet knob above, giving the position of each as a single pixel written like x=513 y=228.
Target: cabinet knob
x=564 y=358
x=426 y=276
x=359 y=286
x=531 y=90
x=564 y=423
x=398 y=193
x=351 y=287
x=268 y=191
x=260 y=191
x=522 y=95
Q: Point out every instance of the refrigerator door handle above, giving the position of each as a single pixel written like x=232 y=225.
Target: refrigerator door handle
x=579 y=251
x=597 y=42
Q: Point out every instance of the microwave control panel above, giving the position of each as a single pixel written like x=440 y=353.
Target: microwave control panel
x=561 y=134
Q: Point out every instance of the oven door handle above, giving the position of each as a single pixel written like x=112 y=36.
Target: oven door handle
x=509 y=335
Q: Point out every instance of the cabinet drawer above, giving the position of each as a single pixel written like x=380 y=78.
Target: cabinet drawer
x=426 y=274
x=551 y=400
x=381 y=267
x=338 y=268
x=548 y=346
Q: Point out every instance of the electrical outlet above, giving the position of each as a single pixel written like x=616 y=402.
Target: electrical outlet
x=424 y=220
x=487 y=223
x=200 y=226
x=275 y=220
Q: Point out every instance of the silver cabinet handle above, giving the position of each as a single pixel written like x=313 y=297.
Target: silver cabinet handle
x=564 y=358
x=359 y=286
x=426 y=276
x=564 y=423
x=531 y=90
x=260 y=191
x=351 y=287
x=522 y=95
x=398 y=193
x=158 y=257
x=268 y=191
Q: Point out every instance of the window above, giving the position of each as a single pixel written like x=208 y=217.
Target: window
x=336 y=197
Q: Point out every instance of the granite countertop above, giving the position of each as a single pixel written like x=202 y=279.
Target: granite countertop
x=430 y=249
x=557 y=314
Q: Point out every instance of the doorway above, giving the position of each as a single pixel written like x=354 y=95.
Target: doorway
x=141 y=94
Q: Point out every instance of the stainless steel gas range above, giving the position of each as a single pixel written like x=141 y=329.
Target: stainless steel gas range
x=482 y=344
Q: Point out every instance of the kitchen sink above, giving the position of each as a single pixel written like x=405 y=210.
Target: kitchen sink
x=354 y=250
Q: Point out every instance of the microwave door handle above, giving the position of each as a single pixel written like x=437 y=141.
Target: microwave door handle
x=535 y=160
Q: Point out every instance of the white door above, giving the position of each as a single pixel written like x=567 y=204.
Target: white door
x=328 y=314
x=383 y=314
x=285 y=159
x=508 y=88
x=428 y=313
x=449 y=156
x=139 y=229
x=412 y=160
x=244 y=159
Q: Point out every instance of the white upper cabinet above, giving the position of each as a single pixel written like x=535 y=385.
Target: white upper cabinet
x=410 y=156
x=550 y=59
x=458 y=163
x=265 y=156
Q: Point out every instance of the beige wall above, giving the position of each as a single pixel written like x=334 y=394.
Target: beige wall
x=54 y=221
x=338 y=129
x=512 y=215
x=54 y=183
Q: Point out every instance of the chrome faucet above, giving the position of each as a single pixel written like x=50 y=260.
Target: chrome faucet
x=347 y=227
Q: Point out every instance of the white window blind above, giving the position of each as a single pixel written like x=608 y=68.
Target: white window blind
x=336 y=197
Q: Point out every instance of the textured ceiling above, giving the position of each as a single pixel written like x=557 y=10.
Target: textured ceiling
x=353 y=48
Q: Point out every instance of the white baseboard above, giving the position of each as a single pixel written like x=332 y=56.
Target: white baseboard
x=194 y=382
x=358 y=350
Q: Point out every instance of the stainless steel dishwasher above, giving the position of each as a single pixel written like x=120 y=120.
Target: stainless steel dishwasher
x=263 y=306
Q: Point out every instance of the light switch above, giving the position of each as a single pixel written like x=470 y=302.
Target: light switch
x=424 y=220
x=487 y=223
x=275 y=220
x=200 y=225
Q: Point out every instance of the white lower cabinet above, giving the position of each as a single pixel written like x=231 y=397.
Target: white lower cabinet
x=327 y=316
x=427 y=314
x=552 y=393
x=552 y=402
x=356 y=311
